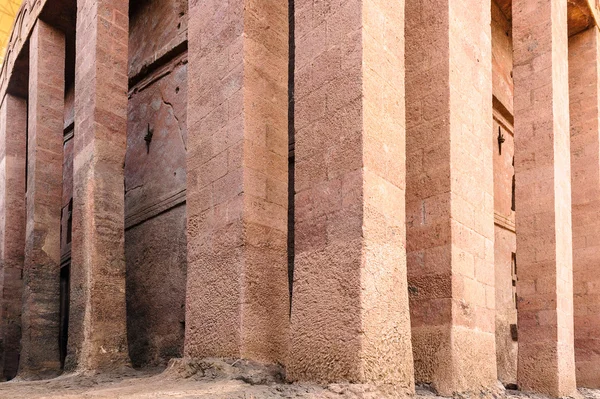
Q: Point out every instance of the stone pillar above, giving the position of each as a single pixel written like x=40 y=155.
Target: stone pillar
x=13 y=139
x=350 y=319
x=450 y=193
x=543 y=198
x=97 y=319
x=237 y=302
x=584 y=93
x=41 y=288
x=41 y=285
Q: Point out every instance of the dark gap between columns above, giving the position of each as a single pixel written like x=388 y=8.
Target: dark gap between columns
x=291 y=137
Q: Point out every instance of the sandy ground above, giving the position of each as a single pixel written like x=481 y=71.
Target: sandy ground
x=209 y=379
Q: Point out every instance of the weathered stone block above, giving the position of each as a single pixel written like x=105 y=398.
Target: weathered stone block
x=97 y=322
x=13 y=138
x=350 y=318
x=41 y=285
x=237 y=289
x=584 y=92
x=450 y=222
x=543 y=197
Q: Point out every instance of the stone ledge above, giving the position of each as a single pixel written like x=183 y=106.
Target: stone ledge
x=165 y=203
x=505 y=222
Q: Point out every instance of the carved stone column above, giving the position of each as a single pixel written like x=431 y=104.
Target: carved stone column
x=41 y=286
x=97 y=320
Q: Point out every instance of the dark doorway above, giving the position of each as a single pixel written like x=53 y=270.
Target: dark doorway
x=65 y=282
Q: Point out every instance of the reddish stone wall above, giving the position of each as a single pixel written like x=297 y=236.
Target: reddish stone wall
x=156 y=28
x=237 y=298
x=506 y=312
x=67 y=191
x=13 y=133
x=350 y=190
x=350 y=303
x=584 y=91
x=155 y=182
x=504 y=216
x=504 y=247
x=449 y=195
x=40 y=317
x=155 y=171
x=97 y=337
x=543 y=194
x=502 y=58
x=156 y=270
x=155 y=216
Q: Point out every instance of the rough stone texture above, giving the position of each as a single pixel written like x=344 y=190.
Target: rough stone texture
x=40 y=313
x=502 y=58
x=504 y=216
x=350 y=319
x=156 y=28
x=505 y=245
x=237 y=293
x=69 y=104
x=450 y=203
x=155 y=181
x=218 y=379
x=66 y=238
x=584 y=92
x=156 y=272
x=503 y=171
x=97 y=322
x=155 y=242
x=155 y=174
x=67 y=196
x=13 y=133
x=581 y=13
x=543 y=194
x=506 y=311
x=350 y=316
x=67 y=174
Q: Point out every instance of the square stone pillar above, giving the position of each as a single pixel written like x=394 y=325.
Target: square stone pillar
x=450 y=193
x=543 y=198
x=350 y=318
x=97 y=318
x=41 y=283
x=237 y=302
x=584 y=93
x=13 y=142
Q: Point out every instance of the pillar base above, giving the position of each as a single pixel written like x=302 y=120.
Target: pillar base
x=38 y=375
x=588 y=373
x=226 y=368
x=455 y=359
x=552 y=371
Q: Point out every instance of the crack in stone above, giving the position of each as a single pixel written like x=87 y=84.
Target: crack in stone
x=134 y=188
x=174 y=116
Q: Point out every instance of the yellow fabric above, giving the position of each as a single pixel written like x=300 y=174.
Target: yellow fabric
x=8 y=11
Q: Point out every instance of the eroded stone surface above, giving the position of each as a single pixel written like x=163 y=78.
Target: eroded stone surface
x=97 y=322
x=219 y=379
x=40 y=314
x=450 y=194
x=584 y=92
x=543 y=194
x=350 y=304
x=156 y=275
x=350 y=318
x=157 y=27
x=155 y=183
x=13 y=131
x=155 y=169
x=237 y=295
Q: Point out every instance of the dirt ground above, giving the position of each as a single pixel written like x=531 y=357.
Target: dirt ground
x=214 y=379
